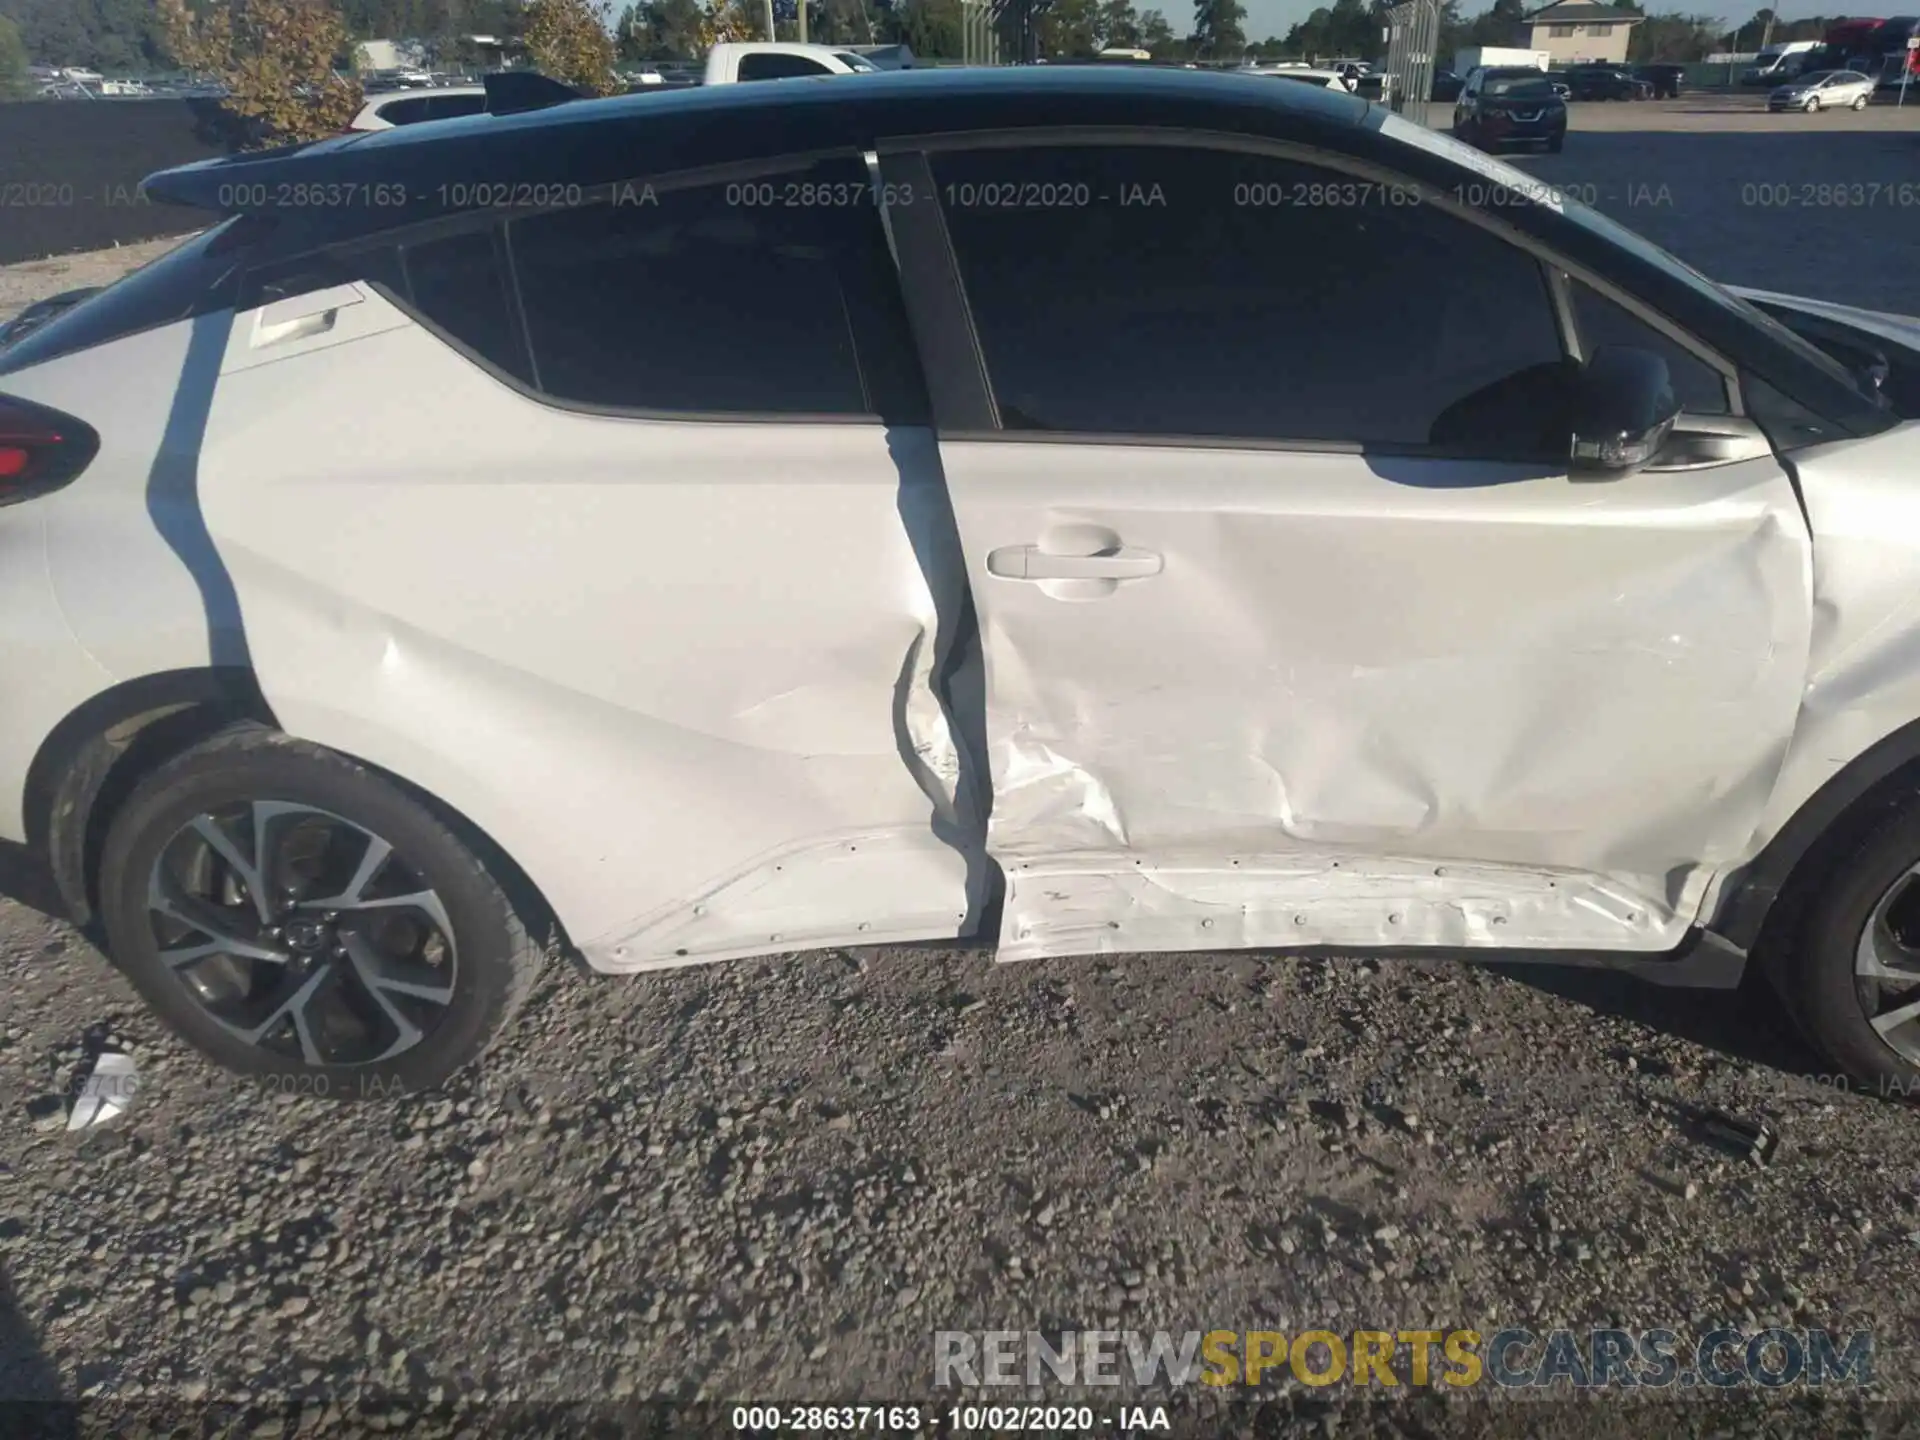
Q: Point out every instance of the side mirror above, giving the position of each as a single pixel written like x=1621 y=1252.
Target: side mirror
x=1623 y=409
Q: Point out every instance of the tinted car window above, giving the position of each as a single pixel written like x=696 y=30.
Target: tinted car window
x=406 y=112
x=460 y=284
x=1697 y=384
x=778 y=67
x=450 y=107
x=1520 y=87
x=1162 y=291
x=718 y=298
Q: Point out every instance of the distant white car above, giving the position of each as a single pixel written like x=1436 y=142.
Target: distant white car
x=1824 y=90
x=1326 y=79
x=408 y=107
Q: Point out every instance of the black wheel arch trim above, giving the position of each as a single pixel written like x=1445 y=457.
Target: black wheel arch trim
x=1877 y=781
x=102 y=749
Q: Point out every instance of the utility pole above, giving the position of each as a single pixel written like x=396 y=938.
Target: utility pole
x=767 y=6
x=800 y=6
x=1766 y=35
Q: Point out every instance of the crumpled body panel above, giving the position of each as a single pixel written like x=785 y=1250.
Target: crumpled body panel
x=683 y=673
x=1379 y=701
x=1863 y=680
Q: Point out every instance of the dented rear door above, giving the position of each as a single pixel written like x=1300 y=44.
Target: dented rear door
x=1247 y=686
x=611 y=529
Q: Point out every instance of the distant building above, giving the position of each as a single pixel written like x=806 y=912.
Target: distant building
x=390 y=54
x=1574 y=30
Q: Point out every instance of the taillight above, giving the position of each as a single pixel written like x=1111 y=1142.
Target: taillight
x=41 y=449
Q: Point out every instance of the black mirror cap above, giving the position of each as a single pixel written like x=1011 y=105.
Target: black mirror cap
x=1623 y=409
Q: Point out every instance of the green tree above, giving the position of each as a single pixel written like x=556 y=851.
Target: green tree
x=1450 y=34
x=568 y=40
x=1157 y=37
x=1672 y=39
x=1119 y=25
x=276 y=58
x=1219 y=29
x=661 y=30
x=1070 y=28
x=113 y=36
x=15 y=81
x=931 y=28
x=1502 y=25
x=844 y=22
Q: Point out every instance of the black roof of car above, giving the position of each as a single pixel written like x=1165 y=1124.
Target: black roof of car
x=347 y=191
x=592 y=142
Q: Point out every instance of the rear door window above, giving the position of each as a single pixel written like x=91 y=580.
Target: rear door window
x=461 y=285
x=737 y=298
x=778 y=67
x=406 y=112
x=451 y=107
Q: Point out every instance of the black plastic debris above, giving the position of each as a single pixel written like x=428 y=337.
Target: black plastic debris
x=1749 y=1139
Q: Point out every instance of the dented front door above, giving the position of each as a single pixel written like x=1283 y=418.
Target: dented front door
x=1273 y=658
x=1247 y=698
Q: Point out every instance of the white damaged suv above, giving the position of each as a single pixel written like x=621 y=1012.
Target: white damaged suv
x=744 y=520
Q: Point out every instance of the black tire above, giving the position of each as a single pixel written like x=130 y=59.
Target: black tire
x=1815 y=971
x=497 y=960
x=1556 y=144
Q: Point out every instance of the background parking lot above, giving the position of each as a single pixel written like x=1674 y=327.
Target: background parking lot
x=773 y=1179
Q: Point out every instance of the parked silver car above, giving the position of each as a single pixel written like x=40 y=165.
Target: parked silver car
x=1824 y=90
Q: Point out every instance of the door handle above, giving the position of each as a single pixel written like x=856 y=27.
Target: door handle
x=303 y=315
x=1030 y=562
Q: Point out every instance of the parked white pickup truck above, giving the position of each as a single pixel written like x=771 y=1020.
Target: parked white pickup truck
x=733 y=61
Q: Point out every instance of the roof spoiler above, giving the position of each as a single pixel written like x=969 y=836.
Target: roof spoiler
x=514 y=92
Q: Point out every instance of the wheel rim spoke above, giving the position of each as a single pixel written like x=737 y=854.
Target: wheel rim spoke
x=303 y=933
x=367 y=968
x=352 y=897
x=293 y=1008
x=1894 y=1019
x=165 y=896
x=250 y=869
x=1886 y=970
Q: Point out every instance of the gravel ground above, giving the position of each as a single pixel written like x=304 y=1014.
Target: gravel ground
x=772 y=1180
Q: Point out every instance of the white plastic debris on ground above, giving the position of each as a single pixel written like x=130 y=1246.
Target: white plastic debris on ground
x=107 y=1092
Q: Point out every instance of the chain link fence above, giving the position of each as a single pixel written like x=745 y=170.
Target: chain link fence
x=1413 y=30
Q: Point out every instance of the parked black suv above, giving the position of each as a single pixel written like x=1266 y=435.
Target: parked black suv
x=1666 y=80
x=1606 y=82
x=1504 y=107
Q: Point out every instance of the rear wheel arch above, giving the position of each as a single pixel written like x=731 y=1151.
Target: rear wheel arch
x=91 y=761
x=94 y=759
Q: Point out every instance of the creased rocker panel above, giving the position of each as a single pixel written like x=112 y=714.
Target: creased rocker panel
x=728 y=758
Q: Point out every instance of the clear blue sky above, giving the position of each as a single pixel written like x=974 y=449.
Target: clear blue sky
x=1276 y=17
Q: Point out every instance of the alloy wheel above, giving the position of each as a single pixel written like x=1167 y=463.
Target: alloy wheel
x=302 y=933
x=1886 y=966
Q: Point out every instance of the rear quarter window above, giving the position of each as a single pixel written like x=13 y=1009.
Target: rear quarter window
x=406 y=112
